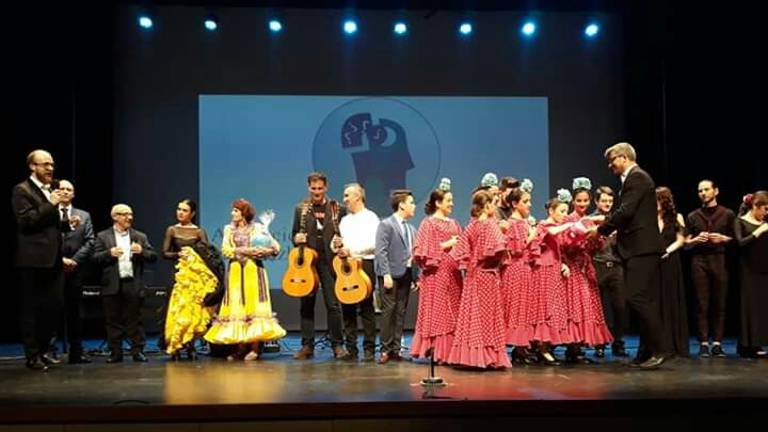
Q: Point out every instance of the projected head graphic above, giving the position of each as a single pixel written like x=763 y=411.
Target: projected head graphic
x=381 y=143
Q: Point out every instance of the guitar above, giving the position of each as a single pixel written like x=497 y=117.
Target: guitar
x=352 y=283
x=300 y=278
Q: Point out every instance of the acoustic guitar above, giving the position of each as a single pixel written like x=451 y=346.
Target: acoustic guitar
x=352 y=283
x=300 y=278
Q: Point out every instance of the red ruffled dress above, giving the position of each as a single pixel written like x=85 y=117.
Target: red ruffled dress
x=516 y=283
x=586 y=321
x=439 y=289
x=479 y=340
x=547 y=311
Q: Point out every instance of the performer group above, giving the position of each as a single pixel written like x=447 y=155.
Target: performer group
x=502 y=289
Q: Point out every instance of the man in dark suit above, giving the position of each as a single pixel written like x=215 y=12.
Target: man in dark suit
x=321 y=217
x=640 y=246
x=122 y=251
x=76 y=249
x=395 y=270
x=38 y=257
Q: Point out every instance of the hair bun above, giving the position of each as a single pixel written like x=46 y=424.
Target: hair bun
x=445 y=184
x=582 y=183
x=564 y=196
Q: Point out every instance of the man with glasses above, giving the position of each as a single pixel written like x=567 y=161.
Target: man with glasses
x=122 y=251
x=640 y=246
x=38 y=257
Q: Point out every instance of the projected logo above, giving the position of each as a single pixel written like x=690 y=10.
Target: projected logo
x=381 y=143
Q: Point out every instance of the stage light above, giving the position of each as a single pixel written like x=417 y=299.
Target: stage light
x=350 y=27
x=528 y=29
x=401 y=28
x=211 y=23
x=465 y=29
x=145 y=22
x=592 y=30
x=275 y=26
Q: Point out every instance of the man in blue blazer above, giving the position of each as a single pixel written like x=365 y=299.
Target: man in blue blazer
x=395 y=271
x=76 y=248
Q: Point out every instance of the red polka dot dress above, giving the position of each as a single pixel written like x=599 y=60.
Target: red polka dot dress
x=547 y=309
x=479 y=340
x=586 y=321
x=439 y=289
x=516 y=283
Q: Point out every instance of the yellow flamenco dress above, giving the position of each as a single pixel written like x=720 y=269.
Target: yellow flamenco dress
x=245 y=315
x=187 y=317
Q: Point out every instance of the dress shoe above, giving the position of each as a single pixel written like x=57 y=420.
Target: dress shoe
x=717 y=351
x=369 y=356
x=139 y=357
x=652 y=363
x=78 y=359
x=306 y=352
x=113 y=358
x=35 y=363
x=385 y=358
x=704 y=351
x=49 y=360
x=339 y=353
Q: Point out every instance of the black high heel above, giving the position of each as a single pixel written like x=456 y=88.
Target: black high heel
x=546 y=358
x=521 y=357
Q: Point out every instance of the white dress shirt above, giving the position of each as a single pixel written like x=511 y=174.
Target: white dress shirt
x=123 y=241
x=359 y=233
x=43 y=187
x=626 y=172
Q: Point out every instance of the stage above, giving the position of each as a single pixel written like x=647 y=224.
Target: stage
x=325 y=394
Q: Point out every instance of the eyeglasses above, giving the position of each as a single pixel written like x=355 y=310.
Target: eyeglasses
x=46 y=164
x=611 y=159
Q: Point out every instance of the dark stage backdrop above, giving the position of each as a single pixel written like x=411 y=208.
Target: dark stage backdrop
x=117 y=107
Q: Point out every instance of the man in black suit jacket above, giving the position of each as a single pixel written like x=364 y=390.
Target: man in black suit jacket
x=77 y=248
x=640 y=246
x=38 y=257
x=121 y=251
x=321 y=216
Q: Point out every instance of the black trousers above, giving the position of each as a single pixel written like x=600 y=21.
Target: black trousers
x=40 y=308
x=332 y=308
x=73 y=311
x=367 y=315
x=642 y=279
x=610 y=280
x=394 y=301
x=710 y=278
x=122 y=314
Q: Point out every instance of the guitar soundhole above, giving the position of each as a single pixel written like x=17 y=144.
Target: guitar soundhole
x=351 y=288
x=294 y=280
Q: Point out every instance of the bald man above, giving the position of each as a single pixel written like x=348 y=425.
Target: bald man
x=38 y=257
x=122 y=251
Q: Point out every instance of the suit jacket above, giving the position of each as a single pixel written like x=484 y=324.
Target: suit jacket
x=78 y=243
x=391 y=252
x=311 y=227
x=38 y=227
x=110 y=273
x=635 y=217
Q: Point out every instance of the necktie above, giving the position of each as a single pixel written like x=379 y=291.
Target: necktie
x=64 y=213
x=407 y=234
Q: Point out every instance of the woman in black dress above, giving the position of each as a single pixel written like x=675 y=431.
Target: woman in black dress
x=749 y=231
x=184 y=233
x=672 y=299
